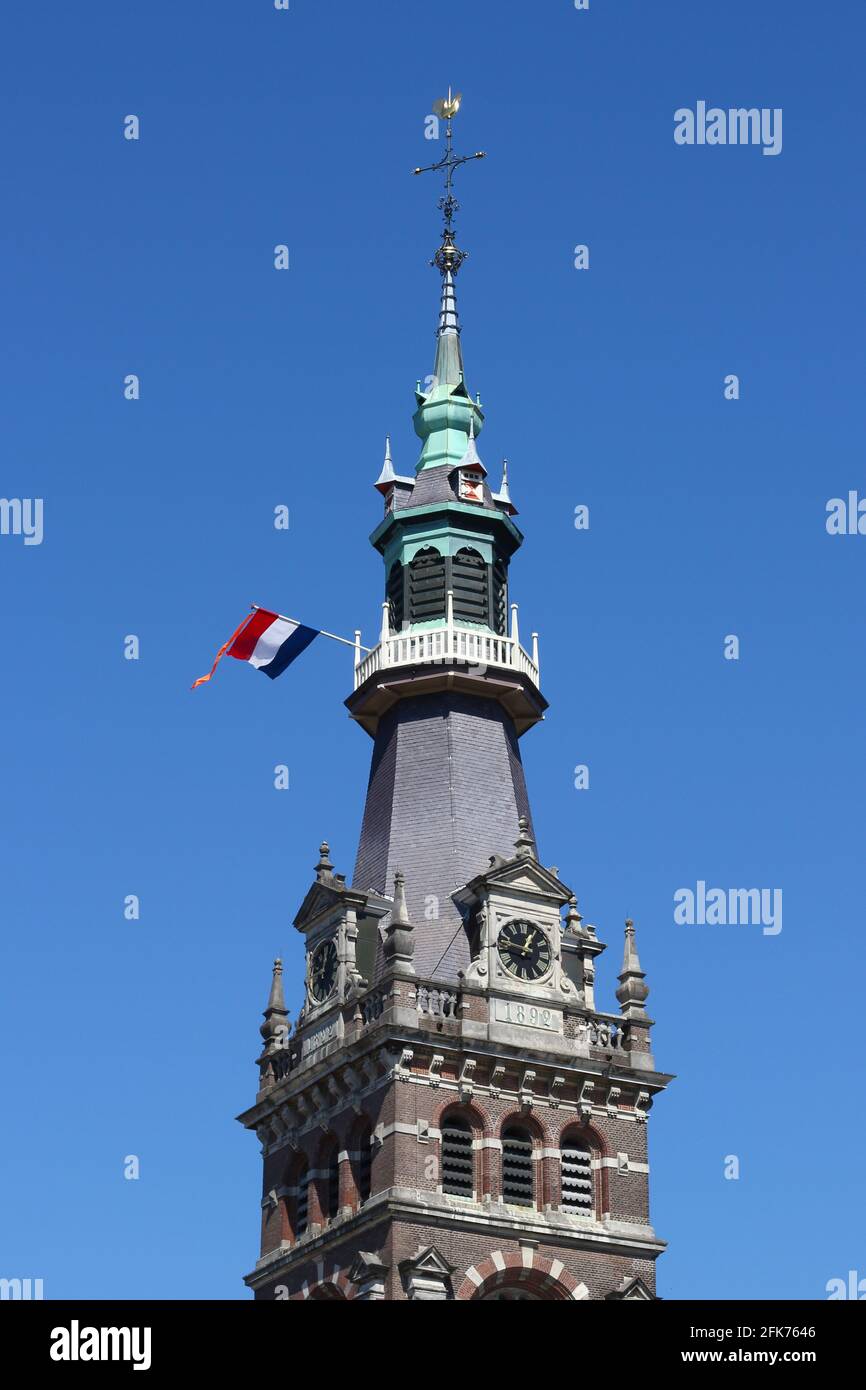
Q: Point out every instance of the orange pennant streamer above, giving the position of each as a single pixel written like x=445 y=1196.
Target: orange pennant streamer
x=221 y=653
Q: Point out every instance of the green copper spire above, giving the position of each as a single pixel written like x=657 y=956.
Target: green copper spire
x=446 y=415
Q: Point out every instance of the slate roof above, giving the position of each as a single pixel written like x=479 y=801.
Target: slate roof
x=446 y=791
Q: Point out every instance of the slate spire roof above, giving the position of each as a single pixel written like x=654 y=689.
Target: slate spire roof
x=448 y=366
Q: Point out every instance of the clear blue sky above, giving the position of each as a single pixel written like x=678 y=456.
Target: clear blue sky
x=259 y=388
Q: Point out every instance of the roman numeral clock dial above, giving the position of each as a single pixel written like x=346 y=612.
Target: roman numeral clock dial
x=524 y=950
x=323 y=971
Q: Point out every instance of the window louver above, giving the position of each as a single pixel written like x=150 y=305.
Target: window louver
x=457 y=1159
x=426 y=586
x=518 y=1184
x=500 y=598
x=394 y=596
x=469 y=582
x=577 y=1190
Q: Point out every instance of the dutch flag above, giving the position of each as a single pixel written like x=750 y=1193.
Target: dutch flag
x=267 y=641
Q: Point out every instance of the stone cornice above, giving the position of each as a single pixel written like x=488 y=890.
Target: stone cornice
x=495 y=1222
x=360 y=1068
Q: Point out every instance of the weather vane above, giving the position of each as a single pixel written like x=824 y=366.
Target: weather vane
x=449 y=256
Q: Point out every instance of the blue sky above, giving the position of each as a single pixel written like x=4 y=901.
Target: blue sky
x=258 y=388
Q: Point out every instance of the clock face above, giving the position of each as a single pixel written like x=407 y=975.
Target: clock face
x=524 y=950
x=323 y=971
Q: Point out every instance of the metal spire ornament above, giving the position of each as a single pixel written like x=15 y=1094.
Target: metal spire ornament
x=449 y=257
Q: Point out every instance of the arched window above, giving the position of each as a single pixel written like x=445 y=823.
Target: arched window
x=513 y=1294
x=470 y=584
x=458 y=1167
x=518 y=1178
x=302 y=1203
x=426 y=586
x=364 y=1166
x=576 y=1177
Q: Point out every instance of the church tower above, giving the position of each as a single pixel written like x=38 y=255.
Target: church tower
x=452 y=1115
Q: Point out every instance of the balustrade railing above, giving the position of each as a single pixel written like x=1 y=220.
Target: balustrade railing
x=444 y=643
x=437 y=1002
x=601 y=1032
x=371 y=1005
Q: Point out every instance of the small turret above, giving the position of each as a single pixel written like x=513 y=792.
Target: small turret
x=392 y=485
x=399 y=945
x=502 y=498
x=275 y=1029
x=633 y=991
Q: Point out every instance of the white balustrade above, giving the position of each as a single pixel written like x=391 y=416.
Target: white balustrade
x=447 y=643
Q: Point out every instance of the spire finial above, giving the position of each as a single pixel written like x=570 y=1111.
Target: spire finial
x=502 y=498
x=275 y=1028
x=573 y=918
x=324 y=868
x=524 y=843
x=471 y=458
x=633 y=990
x=385 y=480
x=449 y=257
x=399 y=945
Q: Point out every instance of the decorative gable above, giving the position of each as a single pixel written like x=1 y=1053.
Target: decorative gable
x=522 y=874
x=632 y=1291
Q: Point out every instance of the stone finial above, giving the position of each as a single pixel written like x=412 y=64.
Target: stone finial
x=573 y=918
x=275 y=1029
x=399 y=947
x=324 y=868
x=524 y=844
x=633 y=991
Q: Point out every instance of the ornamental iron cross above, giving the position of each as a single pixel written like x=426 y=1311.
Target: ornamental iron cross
x=448 y=256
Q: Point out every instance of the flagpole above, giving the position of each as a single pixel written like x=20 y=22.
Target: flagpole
x=256 y=607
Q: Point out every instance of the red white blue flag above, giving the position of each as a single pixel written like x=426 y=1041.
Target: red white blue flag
x=267 y=641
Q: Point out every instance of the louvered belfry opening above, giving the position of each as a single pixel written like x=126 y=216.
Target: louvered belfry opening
x=576 y=1173
x=458 y=1176
x=365 y=1167
x=427 y=586
x=470 y=584
x=418 y=592
x=394 y=595
x=518 y=1181
x=302 y=1203
x=500 y=597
